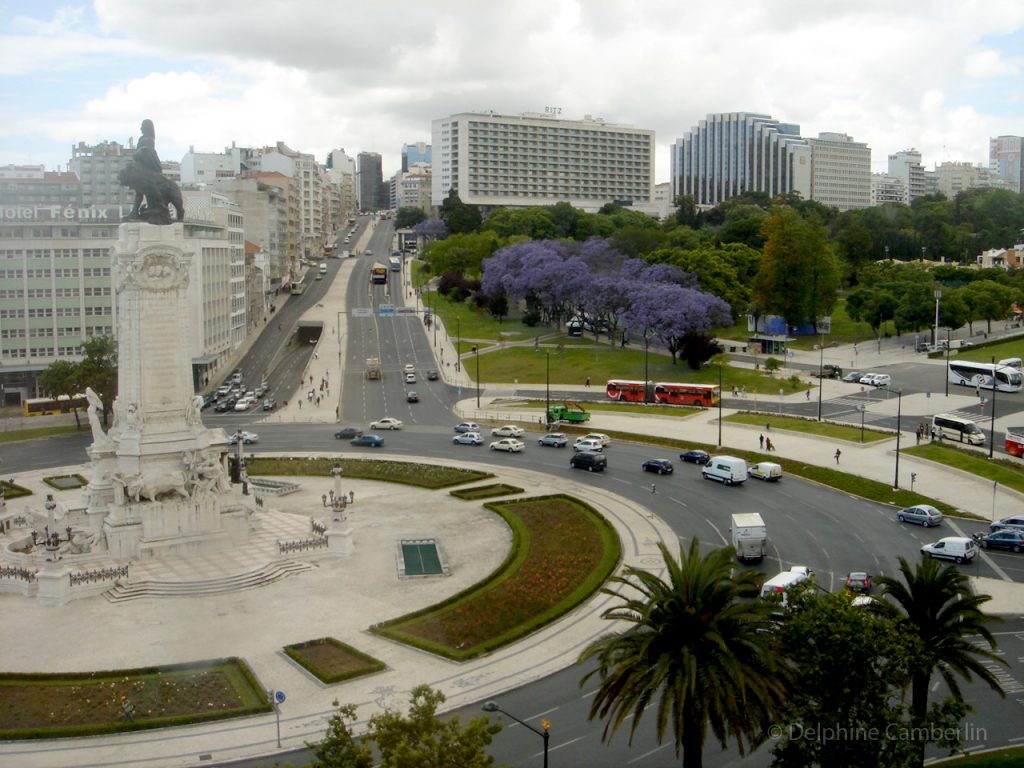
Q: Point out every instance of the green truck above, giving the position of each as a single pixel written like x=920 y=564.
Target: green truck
x=573 y=413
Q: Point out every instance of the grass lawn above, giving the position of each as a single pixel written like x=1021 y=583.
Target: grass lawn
x=562 y=552
x=1003 y=471
x=1004 y=757
x=77 y=704
x=675 y=411
x=837 y=431
x=31 y=434
x=573 y=365
x=332 y=661
x=472 y=323
x=422 y=475
x=1000 y=351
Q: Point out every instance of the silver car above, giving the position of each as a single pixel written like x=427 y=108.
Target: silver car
x=922 y=514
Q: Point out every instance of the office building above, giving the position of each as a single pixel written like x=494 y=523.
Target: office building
x=887 y=189
x=413 y=154
x=97 y=166
x=840 y=171
x=954 y=178
x=371 y=192
x=1006 y=159
x=30 y=185
x=498 y=160
x=731 y=153
x=905 y=165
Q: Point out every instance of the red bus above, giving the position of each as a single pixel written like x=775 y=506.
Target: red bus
x=618 y=389
x=703 y=395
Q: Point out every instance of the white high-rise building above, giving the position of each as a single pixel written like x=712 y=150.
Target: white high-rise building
x=887 y=189
x=840 y=171
x=730 y=153
x=1006 y=158
x=538 y=159
x=905 y=165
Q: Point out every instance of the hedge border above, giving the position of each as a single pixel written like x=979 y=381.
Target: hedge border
x=486 y=491
x=82 y=482
x=517 y=554
x=358 y=469
x=294 y=652
x=14 y=491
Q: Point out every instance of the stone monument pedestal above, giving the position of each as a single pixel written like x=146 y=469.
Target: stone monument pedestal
x=54 y=584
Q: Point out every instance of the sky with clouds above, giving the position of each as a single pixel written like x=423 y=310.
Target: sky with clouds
x=942 y=76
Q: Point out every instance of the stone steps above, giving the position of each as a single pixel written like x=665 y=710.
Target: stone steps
x=268 y=574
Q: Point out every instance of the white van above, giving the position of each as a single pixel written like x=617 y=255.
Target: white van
x=725 y=469
x=949 y=426
x=779 y=584
x=323 y=267
x=959 y=549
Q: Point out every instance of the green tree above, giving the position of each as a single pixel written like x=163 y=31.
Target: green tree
x=534 y=222
x=565 y=218
x=744 y=224
x=799 y=275
x=463 y=253
x=953 y=310
x=694 y=649
x=938 y=608
x=988 y=300
x=915 y=308
x=687 y=212
x=828 y=639
x=98 y=370
x=714 y=271
x=60 y=379
x=339 y=748
x=457 y=216
x=872 y=306
x=409 y=216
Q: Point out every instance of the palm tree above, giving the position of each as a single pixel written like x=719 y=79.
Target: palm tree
x=943 y=615
x=693 y=646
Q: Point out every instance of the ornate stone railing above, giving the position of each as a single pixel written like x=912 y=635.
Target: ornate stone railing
x=98 y=575
x=317 y=527
x=17 y=572
x=301 y=545
x=265 y=487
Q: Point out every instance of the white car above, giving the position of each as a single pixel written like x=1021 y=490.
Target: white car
x=867 y=378
x=508 y=444
x=244 y=404
x=467 y=426
x=410 y=368
x=508 y=430
x=588 y=444
x=605 y=440
x=468 y=438
x=410 y=378
x=248 y=438
x=765 y=470
x=386 y=423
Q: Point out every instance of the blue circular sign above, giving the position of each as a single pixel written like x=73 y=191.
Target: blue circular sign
x=279 y=697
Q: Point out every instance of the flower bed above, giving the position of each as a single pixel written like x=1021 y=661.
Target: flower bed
x=422 y=475
x=332 y=661
x=14 y=491
x=65 y=482
x=562 y=552
x=47 y=706
x=485 y=492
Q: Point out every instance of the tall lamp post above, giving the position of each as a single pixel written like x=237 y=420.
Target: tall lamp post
x=476 y=350
x=547 y=387
x=992 y=426
x=458 y=345
x=947 y=362
x=492 y=706
x=821 y=372
x=647 y=341
x=899 y=408
x=719 y=403
x=938 y=296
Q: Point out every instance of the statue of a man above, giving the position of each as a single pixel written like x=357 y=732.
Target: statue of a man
x=146 y=157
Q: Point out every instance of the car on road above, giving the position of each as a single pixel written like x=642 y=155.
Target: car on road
x=959 y=549
x=225 y=405
x=208 y=400
x=409 y=368
x=852 y=377
x=261 y=390
x=921 y=514
x=431 y=375
x=554 y=439
x=410 y=378
x=508 y=444
x=605 y=440
x=245 y=404
x=695 y=456
x=412 y=397
x=587 y=444
x=269 y=404
x=768 y=471
x=467 y=426
x=858 y=582
x=507 y=430
x=1008 y=538
x=1016 y=521
x=468 y=438
x=658 y=466
x=876 y=379
x=828 y=371
x=386 y=423
x=369 y=441
x=248 y=438
x=347 y=433
x=589 y=460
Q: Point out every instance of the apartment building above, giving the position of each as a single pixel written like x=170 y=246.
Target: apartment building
x=905 y=165
x=954 y=178
x=840 y=171
x=1006 y=159
x=265 y=212
x=97 y=166
x=496 y=160
x=887 y=189
x=303 y=168
x=730 y=153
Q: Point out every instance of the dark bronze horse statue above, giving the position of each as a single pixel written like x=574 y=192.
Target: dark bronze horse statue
x=159 y=191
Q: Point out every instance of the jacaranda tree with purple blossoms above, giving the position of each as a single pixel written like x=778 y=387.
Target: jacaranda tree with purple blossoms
x=680 y=318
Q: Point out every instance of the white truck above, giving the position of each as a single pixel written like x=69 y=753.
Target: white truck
x=749 y=537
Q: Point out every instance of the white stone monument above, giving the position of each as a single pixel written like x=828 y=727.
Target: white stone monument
x=159 y=476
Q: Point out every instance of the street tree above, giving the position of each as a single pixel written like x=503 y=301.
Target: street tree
x=431 y=229
x=98 y=369
x=680 y=318
x=534 y=222
x=988 y=300
x=936 y=605
x=873 y=306
x=461 y=253
x=458 y=216
x=953 y=309
x=714 y=271
x=695 y=651
x=915 y=308
x=340 y=748
x=409 y=216
x=60 y=379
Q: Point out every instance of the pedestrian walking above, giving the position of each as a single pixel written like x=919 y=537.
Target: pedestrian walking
x=838 y=454
x=760 y=441
x=743 y=391
x=917 y=435
x=768 y=444
x=300 y=405
x=587 y=382
x=808 y=394
x=324 y=499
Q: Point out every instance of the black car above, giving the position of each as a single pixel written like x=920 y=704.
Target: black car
x=347 y=433
x=696 y=456
x=858 y=582
x=660 y=466
x=432 y=375
x=589 y=460
x=227 y=404
x=372 y=441
x=1008 y=538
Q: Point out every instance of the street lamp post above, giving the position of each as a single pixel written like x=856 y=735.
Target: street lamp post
x=458 y=346
x=492 y=706
x=719 y=403
x=547 y=387
x=947 y=362
x=647 y=341
x=476 y=349
x=992 y=424
x=862 y=408
x=938 y=297
x=899 y=409
x=821 y=372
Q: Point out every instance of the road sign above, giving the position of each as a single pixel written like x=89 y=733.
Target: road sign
x=279 y=697
x=362 y=312
x=405 y=311
x=386 y=310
